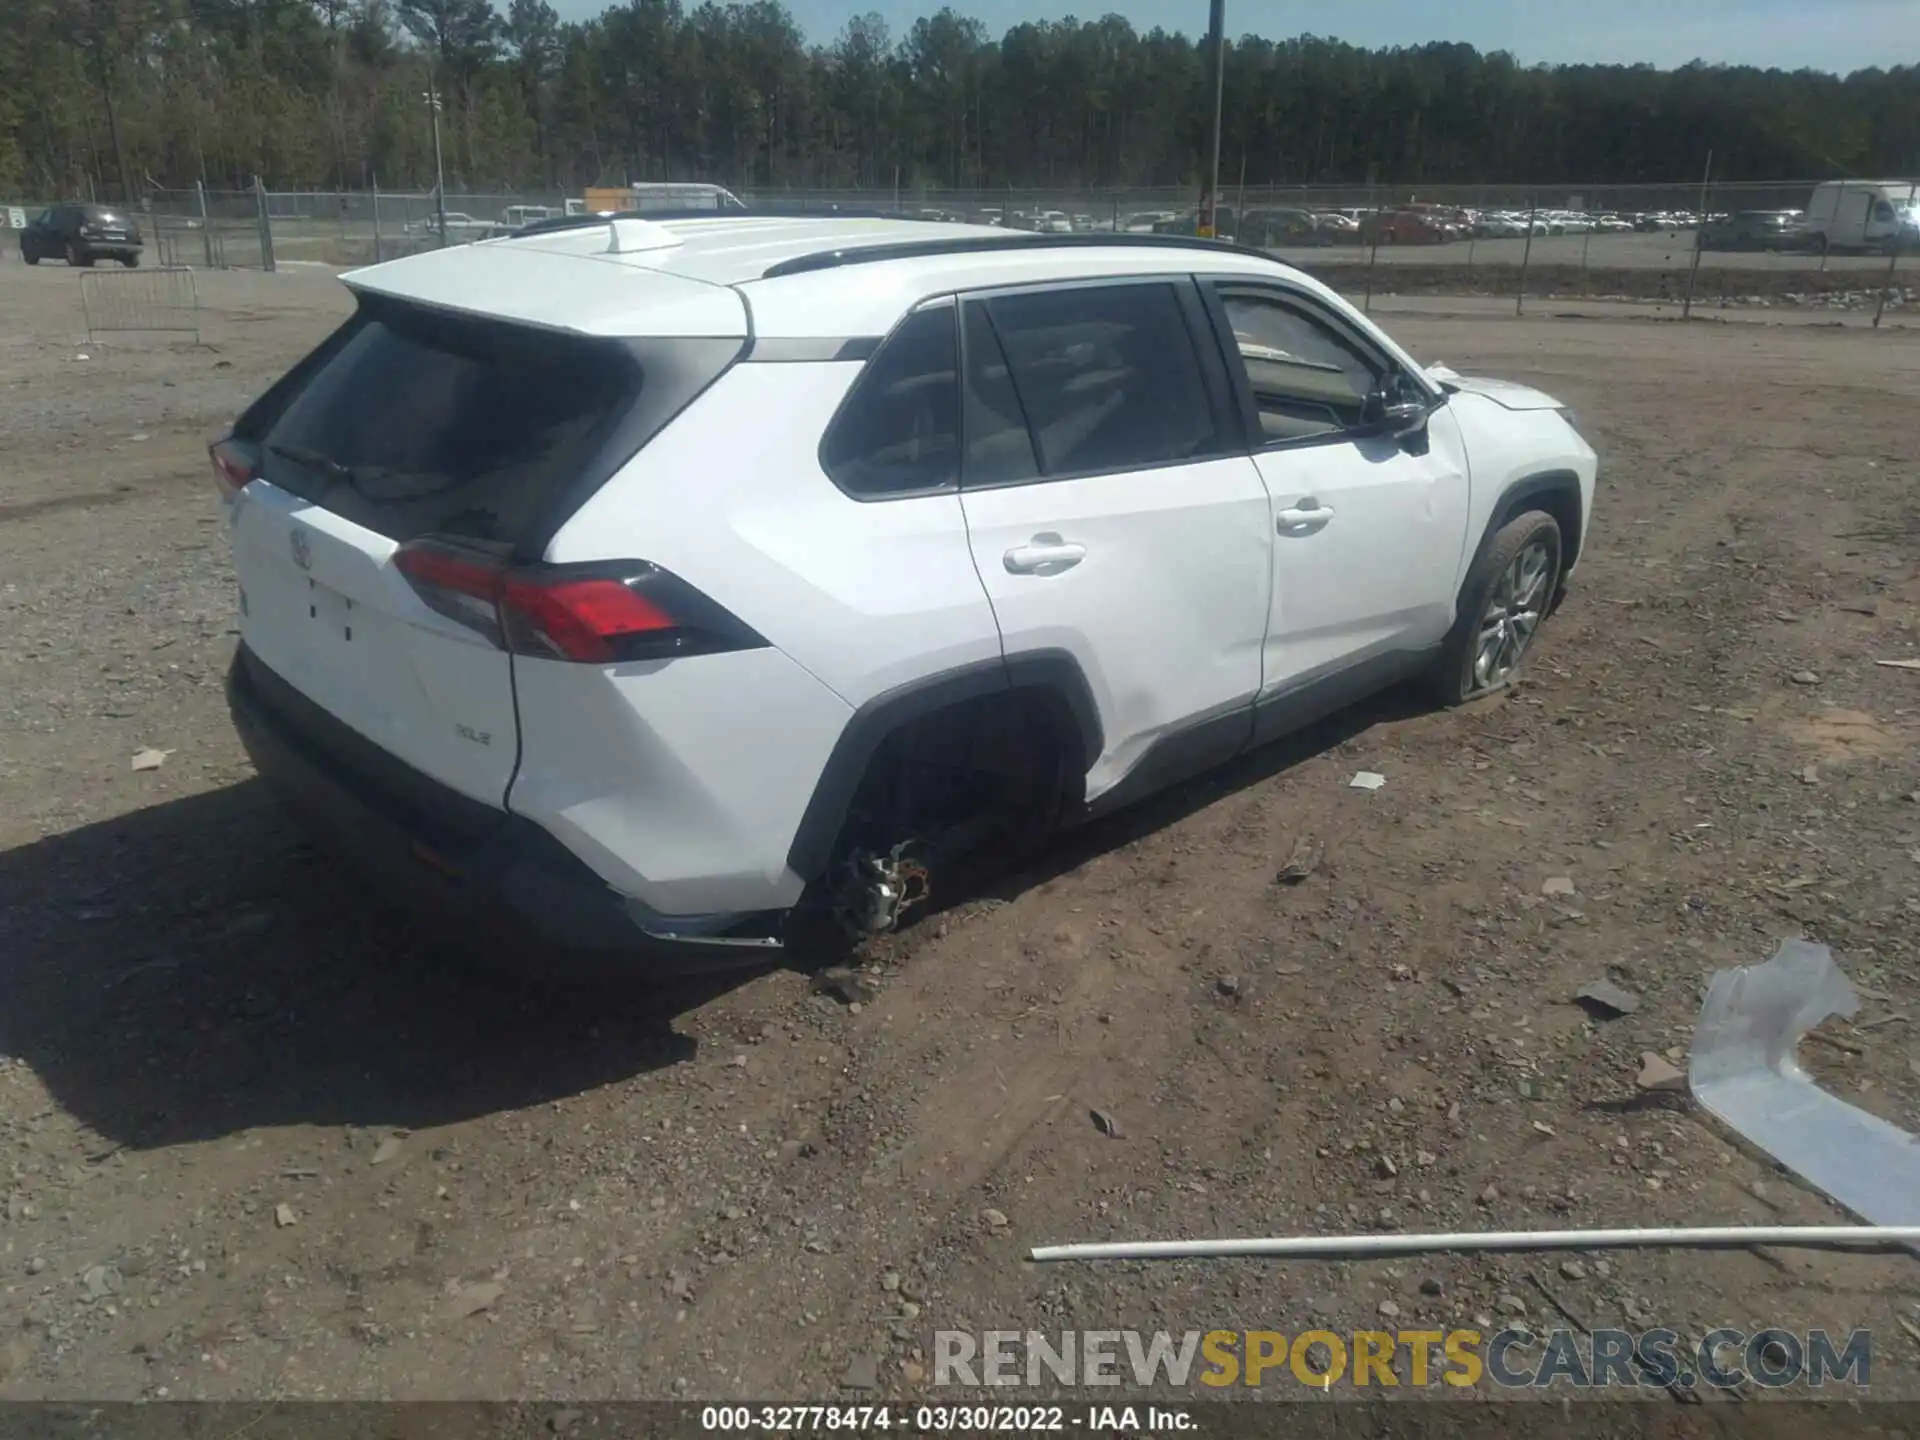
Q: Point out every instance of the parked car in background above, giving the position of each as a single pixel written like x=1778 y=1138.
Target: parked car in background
x=1280 y=227
x=1226 y=223
x=461 y=227
x=1753 y=230
x=1404 y=227
x=1863 y=215
x=1339 y=227
x=514 y=216
x=1146 y=222
x=81 y=234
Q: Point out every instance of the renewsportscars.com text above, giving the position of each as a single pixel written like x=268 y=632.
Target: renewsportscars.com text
x=1386 y=1359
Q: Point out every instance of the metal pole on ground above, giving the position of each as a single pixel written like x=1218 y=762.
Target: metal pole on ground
x=1893 y=259
x=1240 y=215
x=266 y=224
x=1217 y=49
x=1373 y=252
x=439 y=170
x=1526 y=256
x=1699 y=234
x=206 y=230
x=376 y=219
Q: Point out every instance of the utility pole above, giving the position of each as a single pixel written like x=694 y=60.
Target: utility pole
x=1217 y=50
x=439 y=170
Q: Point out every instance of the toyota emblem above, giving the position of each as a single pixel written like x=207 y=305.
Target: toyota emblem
x=302 y=550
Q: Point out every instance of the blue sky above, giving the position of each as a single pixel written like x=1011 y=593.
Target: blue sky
x=1836 y=35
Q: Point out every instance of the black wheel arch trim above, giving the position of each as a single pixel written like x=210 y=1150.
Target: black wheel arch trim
x=1531 y=487
x=1054 y=674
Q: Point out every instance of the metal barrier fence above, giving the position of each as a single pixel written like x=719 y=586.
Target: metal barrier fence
x=132 y=301
x=1677 y=246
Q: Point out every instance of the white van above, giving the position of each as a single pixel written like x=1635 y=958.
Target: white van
x=1863 y=214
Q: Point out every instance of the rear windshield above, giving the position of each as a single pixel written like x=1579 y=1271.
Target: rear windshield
x=423 y=422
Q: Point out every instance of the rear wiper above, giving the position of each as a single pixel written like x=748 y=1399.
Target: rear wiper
x=311 y=459
x=365 y=480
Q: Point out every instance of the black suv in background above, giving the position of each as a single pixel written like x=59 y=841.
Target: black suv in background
x=81 y=234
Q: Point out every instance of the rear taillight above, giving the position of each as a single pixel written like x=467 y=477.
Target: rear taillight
x=595 y=614
x=233 y=466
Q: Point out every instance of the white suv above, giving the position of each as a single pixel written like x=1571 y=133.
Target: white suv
x=650 y=583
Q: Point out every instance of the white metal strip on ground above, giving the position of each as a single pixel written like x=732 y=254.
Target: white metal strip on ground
x=1349 y=1247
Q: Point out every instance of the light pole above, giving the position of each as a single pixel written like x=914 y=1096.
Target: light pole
x=1217 y=51
x=432 y=97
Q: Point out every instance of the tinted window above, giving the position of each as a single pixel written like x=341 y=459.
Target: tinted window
x=1306 y=379
x=420 y=422
x=1882 y=211
x=1106 y=376
x=899 y=431
x=999 y=445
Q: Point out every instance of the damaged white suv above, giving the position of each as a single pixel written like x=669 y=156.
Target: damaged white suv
x=649 y=582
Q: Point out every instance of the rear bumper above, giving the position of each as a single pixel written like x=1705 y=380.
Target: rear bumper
x=439 y=853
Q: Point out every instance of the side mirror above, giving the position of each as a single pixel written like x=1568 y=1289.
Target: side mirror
x=1380 y=415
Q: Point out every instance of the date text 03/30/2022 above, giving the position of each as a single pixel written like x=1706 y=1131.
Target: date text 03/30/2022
x=968 y=1419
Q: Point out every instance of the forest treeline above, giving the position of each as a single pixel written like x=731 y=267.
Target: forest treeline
x=333 y=94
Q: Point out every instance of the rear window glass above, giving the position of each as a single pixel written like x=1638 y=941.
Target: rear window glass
x=428 y=423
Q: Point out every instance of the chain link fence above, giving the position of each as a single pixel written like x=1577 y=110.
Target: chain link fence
x=1714 y=246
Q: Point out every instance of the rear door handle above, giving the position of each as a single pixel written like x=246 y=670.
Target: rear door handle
x=1044 y=555
x=1307 y=514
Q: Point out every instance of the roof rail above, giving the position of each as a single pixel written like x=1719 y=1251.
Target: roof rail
x=988 y=244
x=705 y=212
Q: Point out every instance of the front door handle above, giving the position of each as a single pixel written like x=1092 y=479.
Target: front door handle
x=1044 y=555
x=1305 y=514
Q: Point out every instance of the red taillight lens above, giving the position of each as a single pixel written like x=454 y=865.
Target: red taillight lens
x=594 y=614
x=591 y=620
x=461 y=584
x=233 y=467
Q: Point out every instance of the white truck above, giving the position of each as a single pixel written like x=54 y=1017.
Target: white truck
x=1863 y=215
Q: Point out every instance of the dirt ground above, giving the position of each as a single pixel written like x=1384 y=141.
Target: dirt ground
x=745 y=1189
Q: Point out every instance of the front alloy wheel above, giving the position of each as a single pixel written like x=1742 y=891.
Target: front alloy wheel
x=1512 y=615
x=1511 y=589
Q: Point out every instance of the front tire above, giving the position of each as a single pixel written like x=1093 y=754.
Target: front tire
x=1512 y=588
x=32 y=257
x=130 y=261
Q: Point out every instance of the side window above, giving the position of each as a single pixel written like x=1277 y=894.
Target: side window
x=1306 y=379
x=1883 y=212
x=999 y=444
x=1105 y=376
x=899 y=431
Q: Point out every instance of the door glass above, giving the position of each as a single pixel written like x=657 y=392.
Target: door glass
x=999 y=445
x=1306 y=379
x=899 y=432
x=1107 y=377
